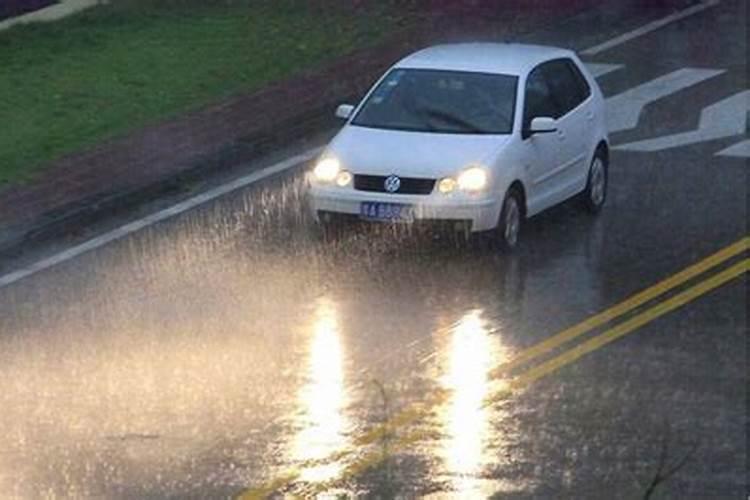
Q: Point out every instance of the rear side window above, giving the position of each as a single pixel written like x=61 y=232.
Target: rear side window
x=567 y=84
x=538 y=100
x=583 y=85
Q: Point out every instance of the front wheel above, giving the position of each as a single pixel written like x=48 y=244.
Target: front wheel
x=595 y=194
x=509 y=225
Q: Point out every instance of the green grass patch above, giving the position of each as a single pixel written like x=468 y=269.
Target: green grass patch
x=106 y=71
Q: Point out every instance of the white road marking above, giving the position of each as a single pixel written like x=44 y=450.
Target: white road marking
x=54 y=12
x=648 y=28
x=624 y=109
x=159 y=216
x=739 y=150
x=725 y=118
x=600 y=69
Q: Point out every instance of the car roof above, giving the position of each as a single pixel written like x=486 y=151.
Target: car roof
x=504 y=58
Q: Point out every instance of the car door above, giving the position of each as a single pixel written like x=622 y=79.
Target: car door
x=541 y=152
x=574 y=125
x=588 y=114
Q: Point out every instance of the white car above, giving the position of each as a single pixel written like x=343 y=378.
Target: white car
x=481 y=135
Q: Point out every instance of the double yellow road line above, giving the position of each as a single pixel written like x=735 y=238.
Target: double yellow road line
x=657 y=291
x=663 y=303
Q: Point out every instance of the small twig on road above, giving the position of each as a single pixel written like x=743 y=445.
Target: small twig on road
x=386 y=436
x=385 y=414
x=664 y=471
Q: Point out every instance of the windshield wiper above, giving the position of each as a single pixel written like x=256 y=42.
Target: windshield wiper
x=451 y=118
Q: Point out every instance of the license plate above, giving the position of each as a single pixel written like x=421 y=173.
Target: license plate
x=395 y=212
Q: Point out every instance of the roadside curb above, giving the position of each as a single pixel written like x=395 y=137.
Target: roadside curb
x=235 y=156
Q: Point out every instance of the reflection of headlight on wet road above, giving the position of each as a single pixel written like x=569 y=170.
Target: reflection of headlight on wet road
x=469 y=354
x=324 y=397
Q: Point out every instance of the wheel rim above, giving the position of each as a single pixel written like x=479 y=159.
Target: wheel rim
x=512 y=221
x=598 y=182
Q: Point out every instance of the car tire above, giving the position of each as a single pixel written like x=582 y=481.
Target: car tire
x=594 y=195
x=511 y=218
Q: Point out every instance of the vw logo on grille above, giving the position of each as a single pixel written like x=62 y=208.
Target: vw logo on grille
x=392 y=183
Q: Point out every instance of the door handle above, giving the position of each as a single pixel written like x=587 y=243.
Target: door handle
x=590 y=116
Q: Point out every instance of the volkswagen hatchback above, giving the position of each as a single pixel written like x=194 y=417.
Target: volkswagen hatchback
x=480 y=135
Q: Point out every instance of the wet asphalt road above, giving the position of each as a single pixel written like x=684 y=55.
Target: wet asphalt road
x=227 y=348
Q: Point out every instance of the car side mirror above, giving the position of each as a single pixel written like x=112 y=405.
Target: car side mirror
x=542 y=125
x=344 y=111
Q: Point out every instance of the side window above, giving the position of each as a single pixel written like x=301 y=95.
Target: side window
x=565 y=88
x=583 y=86
x=538 y=98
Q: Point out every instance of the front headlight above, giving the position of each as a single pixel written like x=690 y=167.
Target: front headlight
x=327 y=170
x=343 y=178
x=447 y=185
x=472 y=179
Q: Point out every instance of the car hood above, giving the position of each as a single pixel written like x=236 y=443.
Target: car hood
x=373 y=151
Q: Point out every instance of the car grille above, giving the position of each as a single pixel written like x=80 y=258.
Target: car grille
x=409 y=185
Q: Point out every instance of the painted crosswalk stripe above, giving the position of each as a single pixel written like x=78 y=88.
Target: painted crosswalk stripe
x=725 y=118
x=739 y=150
x=600 y=69
x=624 y=109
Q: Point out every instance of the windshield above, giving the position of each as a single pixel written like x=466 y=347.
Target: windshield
x=441 y=101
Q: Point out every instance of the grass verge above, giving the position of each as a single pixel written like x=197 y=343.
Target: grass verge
x=106 y=71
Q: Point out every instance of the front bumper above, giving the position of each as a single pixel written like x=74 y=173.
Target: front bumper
x=483 y=212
